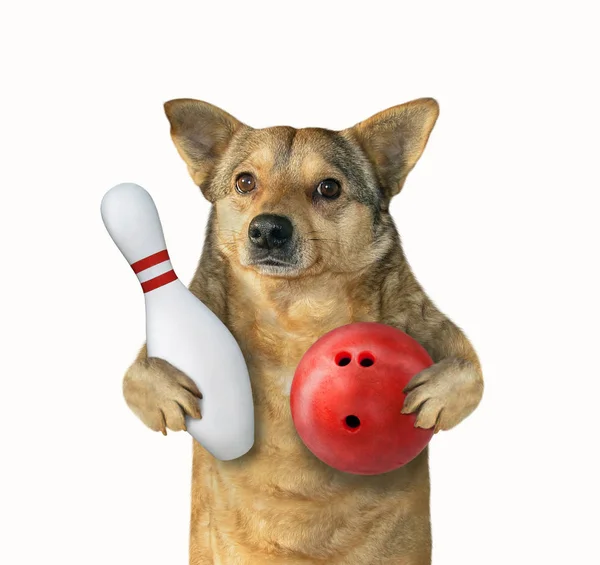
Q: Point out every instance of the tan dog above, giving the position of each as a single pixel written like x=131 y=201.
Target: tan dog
x=300 y=241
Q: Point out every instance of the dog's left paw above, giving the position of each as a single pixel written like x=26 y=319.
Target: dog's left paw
x=444 y=394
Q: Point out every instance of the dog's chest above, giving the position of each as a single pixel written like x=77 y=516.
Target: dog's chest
x=275 y=330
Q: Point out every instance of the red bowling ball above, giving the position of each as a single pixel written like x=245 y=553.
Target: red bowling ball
x=346 y=398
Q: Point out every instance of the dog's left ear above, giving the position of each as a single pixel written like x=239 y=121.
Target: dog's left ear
x=395 y=139
x=201 y=133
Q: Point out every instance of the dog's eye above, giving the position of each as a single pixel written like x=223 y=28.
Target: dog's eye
x=329 y=188
x=245 y=183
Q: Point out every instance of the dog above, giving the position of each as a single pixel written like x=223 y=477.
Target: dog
x=300 y=241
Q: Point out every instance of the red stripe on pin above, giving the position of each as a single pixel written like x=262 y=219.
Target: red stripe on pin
x=159 y=281
x=150 y=261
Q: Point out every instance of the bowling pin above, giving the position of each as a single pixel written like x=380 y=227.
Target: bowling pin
x=181 y=329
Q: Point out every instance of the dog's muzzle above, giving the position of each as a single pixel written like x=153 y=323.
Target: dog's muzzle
x=271 y=240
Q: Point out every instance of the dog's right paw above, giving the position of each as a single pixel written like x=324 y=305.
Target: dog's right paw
x=160 y=395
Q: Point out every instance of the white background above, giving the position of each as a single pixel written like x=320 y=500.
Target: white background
x=499 y=221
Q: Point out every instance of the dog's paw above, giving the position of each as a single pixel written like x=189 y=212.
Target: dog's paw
x=443 y=395
x=160 y=395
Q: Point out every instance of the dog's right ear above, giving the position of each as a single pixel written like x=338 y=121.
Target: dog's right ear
x=201 y=132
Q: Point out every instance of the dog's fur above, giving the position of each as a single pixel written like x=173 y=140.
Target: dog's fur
x=279 y=503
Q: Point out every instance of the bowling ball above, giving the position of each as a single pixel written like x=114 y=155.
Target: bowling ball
x=346 y=398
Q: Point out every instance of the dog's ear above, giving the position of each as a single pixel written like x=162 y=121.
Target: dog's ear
x=201 y=132
x=395 y=138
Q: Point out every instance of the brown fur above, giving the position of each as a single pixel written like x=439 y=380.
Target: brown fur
x=278 y=503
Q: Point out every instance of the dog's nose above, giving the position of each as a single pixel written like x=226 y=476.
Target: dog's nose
x=268 y=231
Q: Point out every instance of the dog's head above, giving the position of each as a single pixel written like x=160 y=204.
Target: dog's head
x=296 y=202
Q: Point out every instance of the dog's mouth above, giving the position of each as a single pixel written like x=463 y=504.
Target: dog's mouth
x=275 y=266
x=273 y=262
x=276 y=262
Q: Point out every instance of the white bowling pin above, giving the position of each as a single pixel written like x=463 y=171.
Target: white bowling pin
x=182 y=330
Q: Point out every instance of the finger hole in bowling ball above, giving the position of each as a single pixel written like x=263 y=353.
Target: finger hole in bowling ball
x=343 y=359
x=352 y=422
x=366 y=360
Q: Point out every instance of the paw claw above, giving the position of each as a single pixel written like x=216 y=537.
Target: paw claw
x=438 y=422
x=414 y=400
x=420 y=378
x=428 y=414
